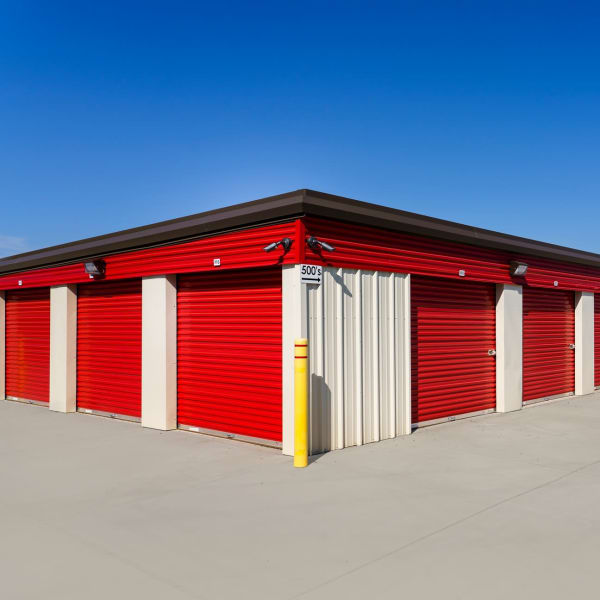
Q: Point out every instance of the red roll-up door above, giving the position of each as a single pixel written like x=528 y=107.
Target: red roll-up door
x=28 y=344
x=229 y=352
x=109 y=347
x=548 y=332
x=597 y=336
x=453 y=328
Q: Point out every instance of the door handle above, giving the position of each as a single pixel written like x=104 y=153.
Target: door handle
x=572 y=346
x=491 y=353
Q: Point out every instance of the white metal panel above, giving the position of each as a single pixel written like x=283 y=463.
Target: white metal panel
x=359 y=345
x=402 y=357
x=294 y=324
x=2 y=345
x=584 y=343
x=509 y=347
x=63 y=348
x=352 y=323
x=159 y=352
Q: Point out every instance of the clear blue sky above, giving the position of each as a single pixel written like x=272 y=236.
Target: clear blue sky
x=115 y=115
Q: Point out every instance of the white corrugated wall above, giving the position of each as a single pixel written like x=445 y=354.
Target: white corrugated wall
x=359 y=340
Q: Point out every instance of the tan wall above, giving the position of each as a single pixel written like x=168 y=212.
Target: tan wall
x=359 y=338
x=294 y=326
x=2 y=346
x=509 y=348
x=63 y=348
x=159 y=352
x=584 y=343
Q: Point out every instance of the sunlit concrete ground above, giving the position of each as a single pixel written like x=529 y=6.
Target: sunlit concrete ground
x=492 y=507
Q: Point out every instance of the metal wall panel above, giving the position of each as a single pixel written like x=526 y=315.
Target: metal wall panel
x=453 y=328
x=109 y=347
x=234 y=250
x=359 y=358
x=229 y=355
x=548 y=332
x=356 y=247
x=27 y=316
x=366 y=247
x=597 y=338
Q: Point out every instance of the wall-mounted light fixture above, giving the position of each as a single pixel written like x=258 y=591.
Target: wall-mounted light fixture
x=286 y=243
x=315 y=244
x=517 y=268
x=96 y=269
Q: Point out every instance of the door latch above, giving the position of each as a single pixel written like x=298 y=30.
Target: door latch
x=572 y=346
x=491 y=353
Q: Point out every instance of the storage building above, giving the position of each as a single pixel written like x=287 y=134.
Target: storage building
x=190 y=323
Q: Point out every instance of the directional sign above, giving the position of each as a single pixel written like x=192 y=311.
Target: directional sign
x=311 y=274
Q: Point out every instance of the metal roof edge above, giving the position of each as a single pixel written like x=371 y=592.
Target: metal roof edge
x=247 y=214
x=365 y=213
x=285 y=206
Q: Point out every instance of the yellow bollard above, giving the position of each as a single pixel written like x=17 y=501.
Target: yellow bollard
x=301 y=403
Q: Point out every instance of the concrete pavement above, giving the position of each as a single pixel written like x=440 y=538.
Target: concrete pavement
x=491 y=507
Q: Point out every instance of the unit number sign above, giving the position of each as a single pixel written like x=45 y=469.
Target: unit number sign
x=311 y=274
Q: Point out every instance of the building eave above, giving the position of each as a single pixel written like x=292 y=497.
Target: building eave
x=283 y=207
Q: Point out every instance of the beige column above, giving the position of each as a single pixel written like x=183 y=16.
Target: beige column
x=584 y=343
x=63 y=348
x=2 y=347
x=509 y=348
x=159 y=352
x=295 y=325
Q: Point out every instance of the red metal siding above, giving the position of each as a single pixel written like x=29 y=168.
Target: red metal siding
x=597 y=336
x=229 y=352
x=109 y=347
x=453 y=328
x=236 y=250
x=28 y=344
x=548 y=329
x=376 y=249
x=356 y=247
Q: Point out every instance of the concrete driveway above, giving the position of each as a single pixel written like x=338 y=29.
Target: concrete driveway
x=492 y=507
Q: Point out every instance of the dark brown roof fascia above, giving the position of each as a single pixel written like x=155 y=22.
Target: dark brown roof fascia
x=357 y=212
x=283 y=207
x=266 y=210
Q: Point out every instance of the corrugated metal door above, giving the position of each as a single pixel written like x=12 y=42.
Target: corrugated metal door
x=597 y=337
x=229 y=352
x=28 y=344
x=109 y=347
x=453 y=328
x=548 y=334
